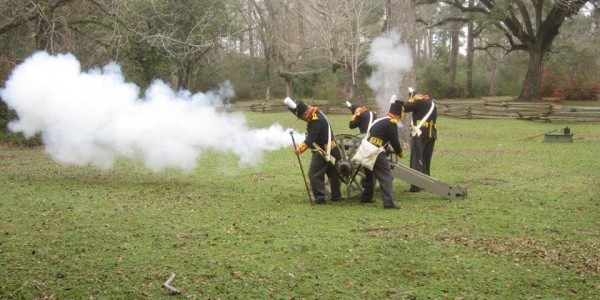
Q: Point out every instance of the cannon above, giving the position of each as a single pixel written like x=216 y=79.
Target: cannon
x=351 y=173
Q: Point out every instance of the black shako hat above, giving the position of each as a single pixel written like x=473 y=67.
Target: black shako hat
x=297 y=107
x=396 y=106
x=352 y=107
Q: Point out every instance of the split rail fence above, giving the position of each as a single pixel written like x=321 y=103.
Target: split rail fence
x=479 y=109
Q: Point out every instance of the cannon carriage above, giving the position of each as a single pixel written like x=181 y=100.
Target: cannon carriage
x=351 y=173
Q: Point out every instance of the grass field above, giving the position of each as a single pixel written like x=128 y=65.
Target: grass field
x=529 y=228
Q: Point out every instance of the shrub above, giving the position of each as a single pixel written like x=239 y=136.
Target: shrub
x=572 y=74
x=433 y=79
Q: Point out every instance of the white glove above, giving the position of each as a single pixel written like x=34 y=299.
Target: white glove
x=414 y=131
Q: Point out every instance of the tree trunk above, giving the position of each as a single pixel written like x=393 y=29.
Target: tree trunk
x=452 y=89
x=355 y=93
x=268 y=79
x=470 y=54
x=533 y=79
x=493 y=77
x=251 y=43
x=185 y=74
x=252 y=62
x=44 y=30
x=429 y=45
x=267 y=76
x=288 y=82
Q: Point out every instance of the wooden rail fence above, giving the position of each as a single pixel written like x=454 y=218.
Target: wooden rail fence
x=543 y=112
x=477 y=109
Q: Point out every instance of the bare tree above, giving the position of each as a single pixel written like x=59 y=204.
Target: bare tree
x=293 y=49
x=470 y=53
x=287 y=49
x=60 y=25
x=187 y=31
x=344 y=30
x=424 y=33
x=262 y=20
x=45 y=17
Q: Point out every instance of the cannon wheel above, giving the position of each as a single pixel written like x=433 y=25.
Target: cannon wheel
x=351 y=173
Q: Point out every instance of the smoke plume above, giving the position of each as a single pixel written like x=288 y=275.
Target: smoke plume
x=390 y=60
x=95 y=117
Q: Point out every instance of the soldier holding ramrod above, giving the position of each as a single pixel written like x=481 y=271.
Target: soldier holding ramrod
x=319 y=138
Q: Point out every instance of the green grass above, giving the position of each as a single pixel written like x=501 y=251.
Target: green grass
x=529 y=228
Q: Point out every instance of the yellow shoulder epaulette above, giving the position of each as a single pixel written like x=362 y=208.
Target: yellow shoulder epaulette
x=313 y=114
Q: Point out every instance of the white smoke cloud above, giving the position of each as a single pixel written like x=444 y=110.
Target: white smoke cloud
x=95 y=117
x=390 y=60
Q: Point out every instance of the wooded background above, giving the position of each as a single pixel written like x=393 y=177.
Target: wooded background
x=526 y=49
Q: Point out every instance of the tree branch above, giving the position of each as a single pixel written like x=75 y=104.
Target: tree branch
x=167 y=285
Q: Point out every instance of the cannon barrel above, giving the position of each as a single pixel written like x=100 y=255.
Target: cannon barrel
x=426 y=182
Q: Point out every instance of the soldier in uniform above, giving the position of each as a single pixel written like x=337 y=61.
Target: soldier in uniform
x=384 y=132
x=361 y=118
x=423 y=132
x=319 y=138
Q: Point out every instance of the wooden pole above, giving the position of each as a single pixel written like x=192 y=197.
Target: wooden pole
x=301 y=169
